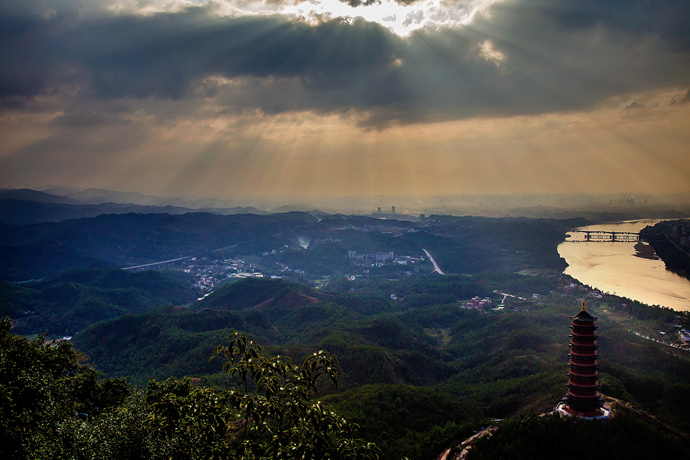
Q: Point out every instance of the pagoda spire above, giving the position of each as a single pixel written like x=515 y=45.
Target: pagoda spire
x=583 y=305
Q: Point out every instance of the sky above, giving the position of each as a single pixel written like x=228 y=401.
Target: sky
x=242 y=98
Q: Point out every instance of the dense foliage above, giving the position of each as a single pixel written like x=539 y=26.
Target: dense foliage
x=42 y=385
x=409 y=421
x=54 y=406
x=68 y=303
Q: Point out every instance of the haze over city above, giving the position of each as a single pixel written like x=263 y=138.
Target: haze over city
x=360 y=98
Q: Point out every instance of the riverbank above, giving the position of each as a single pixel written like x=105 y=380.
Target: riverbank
x=674 y=257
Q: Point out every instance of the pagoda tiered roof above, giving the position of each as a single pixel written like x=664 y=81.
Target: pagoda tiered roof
x=582 y=398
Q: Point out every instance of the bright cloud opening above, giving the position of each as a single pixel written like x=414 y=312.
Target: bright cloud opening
x=401 y=19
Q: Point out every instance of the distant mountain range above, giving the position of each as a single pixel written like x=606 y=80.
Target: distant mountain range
x=99 y=196
x=27 y=194
x=26 y=206
x=216 y=205
x=19 y=206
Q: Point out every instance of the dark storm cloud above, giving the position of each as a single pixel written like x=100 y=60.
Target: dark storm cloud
x=26 y=58
x=548 y=56
x=161 y=55
x=666 y=18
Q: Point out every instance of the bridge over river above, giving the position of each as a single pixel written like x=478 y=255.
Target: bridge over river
x=611 y=236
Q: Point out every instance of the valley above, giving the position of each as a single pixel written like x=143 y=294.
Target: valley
x=430 y=350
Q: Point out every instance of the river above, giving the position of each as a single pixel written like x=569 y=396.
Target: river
x=618 y=268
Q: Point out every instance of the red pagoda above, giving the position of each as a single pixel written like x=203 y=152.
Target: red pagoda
x=582 y=399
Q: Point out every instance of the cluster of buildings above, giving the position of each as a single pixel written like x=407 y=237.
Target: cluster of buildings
x=404 y=260
x=385 y=214
x=207 y=272
x=375 y=258
x=477 y=303
x=378 y=259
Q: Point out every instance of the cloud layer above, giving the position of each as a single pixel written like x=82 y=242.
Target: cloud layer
x=276 y=95
x=522 y=57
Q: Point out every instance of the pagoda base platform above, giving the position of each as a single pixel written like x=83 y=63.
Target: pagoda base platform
x=603 y=413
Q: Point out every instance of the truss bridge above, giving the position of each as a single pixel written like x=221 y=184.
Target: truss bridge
x=602 y=235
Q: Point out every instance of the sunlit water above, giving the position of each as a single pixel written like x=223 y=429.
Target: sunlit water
x=615 y=268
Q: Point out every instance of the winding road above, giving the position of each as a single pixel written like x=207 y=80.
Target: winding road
x=431 y=258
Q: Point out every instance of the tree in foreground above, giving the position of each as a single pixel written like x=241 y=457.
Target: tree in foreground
x=277 y=415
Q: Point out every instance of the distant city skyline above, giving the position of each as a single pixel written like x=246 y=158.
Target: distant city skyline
x=222 y=98
x=388 y=206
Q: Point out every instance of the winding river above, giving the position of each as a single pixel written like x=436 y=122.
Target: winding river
x=629 y=270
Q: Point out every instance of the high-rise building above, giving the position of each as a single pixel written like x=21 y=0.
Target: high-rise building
x=583 y=399
x=393 y=209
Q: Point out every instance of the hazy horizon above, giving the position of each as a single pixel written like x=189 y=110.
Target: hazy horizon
x=531 y=205
x=328 y=99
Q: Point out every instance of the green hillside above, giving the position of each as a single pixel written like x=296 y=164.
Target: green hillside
x=68 y=303
x=495 y=363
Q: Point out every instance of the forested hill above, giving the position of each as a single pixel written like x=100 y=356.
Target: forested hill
x=130 y=238
x=261 y=294
x=68 y=303
x=284 y=315
x=498 y=362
